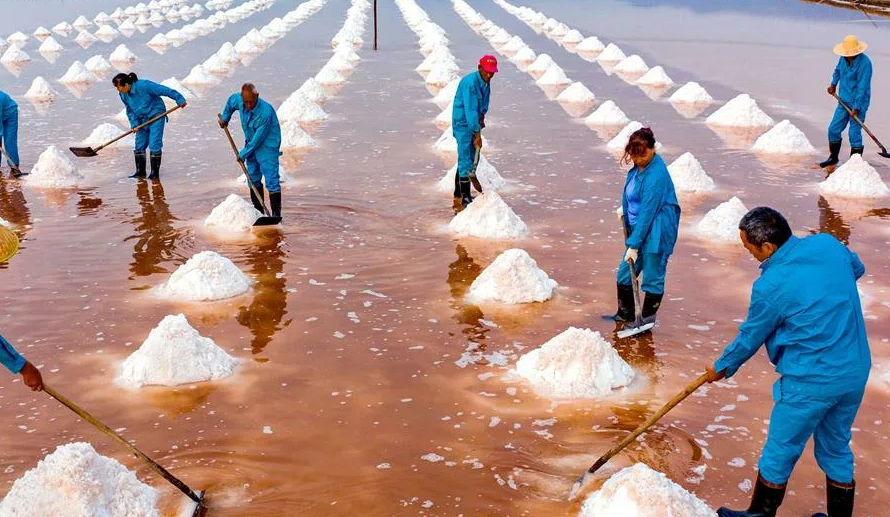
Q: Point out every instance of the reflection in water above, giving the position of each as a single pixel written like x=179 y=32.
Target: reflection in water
x=461 y=274
x=88 y=205
x=831 y=222
x=13 y=207
x=269 y=305
x=155 y=236
x=638 y=351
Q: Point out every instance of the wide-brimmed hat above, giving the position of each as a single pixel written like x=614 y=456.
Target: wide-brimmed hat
x=851 y=46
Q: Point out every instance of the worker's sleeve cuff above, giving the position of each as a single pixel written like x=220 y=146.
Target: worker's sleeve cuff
x=724 y=364
x=17 y=365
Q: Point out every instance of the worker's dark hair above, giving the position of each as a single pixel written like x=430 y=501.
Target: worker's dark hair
x=122 y=79
x=639 y=142
x=764 y=224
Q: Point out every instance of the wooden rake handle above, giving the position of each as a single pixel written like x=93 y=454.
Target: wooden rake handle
x=856 y=118
x=137 y=128
x=244 y=167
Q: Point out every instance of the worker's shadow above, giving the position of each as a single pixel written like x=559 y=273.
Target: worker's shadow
x=155 y=237
x=269 y=304
x=461 y=274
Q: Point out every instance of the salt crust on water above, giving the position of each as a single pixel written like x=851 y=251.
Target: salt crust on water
x=14 y=55
x=608 y=114
x=488 y=217
x=40 y=91
x=577 y=92
x=639 y=491
x=591 y=45
x=554 y=76
x=632 y=65
x=742 y=111
x=50 y=45
x=691 y=93
x=656 y=76
x=98 y=65
x=514 y=277
x=294 y=137
x=175 y=353
x=576 y=364
x=783 y=138
x=122 y=54
x=105 y=132
x=299 y=108
x=541 y=64
x=722 y=223
x=207 y=276
x=76 y=481
x=486 y=173
x=77 y=74
x=54 y=169
x=854 y=179
x=611 y=54
x=689 y=176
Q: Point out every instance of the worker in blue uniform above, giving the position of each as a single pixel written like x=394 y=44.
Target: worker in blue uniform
x=9 y=133
x=650 y=217
x=851 y=82
x=805 y=308
x=142 y=99
x=467 y=120
x=15 y=363
x=262 y=147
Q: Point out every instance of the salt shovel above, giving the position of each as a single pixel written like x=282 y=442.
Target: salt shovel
x=198 y=497
x=689 y=390
x=21 y=173
x=89 y=152
x=883 y=152
x=267 y=219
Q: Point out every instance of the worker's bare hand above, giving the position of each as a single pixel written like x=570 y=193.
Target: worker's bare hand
x=222 y=123
x=832 y=89
x=714 y=376
x=477 y=140
x=482 y=121
x=31 y=376
x=855 y=113
x=184 y=104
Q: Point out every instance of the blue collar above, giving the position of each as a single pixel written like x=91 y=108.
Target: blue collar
x=780 y=253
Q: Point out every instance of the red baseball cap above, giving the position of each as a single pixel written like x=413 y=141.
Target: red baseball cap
x=489 y=63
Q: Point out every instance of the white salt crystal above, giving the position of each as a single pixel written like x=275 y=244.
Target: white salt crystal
x=611 y=54
x=175 y=353
x=783 y=138
x=855 y=179
x=541 y=64
x=577 y=93
x=54 y=170
x=656 y=76
x=591 y=46
x=524 y=55
x=14 y=56
x=639 y=491
x=40 y=91
x=514 y=277
x=313 y=91
x=608 y=114
x=234 y=216
x=578 y=363
x=722 y=223
x=78 y=74
x=488 y=217
x=329 y=76
x=50 y=45
x=228 y=53
x=572 y=37
x=742 y=111
x=98 y=65
x=106 y=132
x=122 y=55
x=206 y=276
x=85 y=39
x=692 y=93
x=294 y=137
x=486 y=173
x=632 y=65
x=299 y=108
x=554 y=76
x=689 y=176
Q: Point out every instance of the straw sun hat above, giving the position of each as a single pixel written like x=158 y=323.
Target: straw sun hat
x=851 y=46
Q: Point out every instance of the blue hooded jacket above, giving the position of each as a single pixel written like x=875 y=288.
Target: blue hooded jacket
x=658 y=218
x=144 y=101
x=855 y=82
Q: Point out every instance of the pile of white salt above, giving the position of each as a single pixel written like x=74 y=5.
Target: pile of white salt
x=656 y=76
x=689 y=176
x=608 y=114
x=106 y=132
x=41 y=91
x=294 y=137
x=486 y=173
x=299 y=108
x=541 y=64
x=576 y=93
x=783 y=138
x=488 y=217
x=54 y=169
x=98 y=65
x=207 y=276
x=514 y=277
x=611 y=54
x=722 y=223
x=742 y=111
x=856 y=178
x=554 y=76
x=78 y=74
x=691 y=93
x=632 y=65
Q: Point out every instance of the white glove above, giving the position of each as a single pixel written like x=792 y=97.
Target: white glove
x=631 y=254
x=620 y=213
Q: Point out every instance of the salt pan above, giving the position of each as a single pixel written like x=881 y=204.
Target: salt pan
x=175 y=353
x=98 y=65
x=692 y=93
x=554 y=76
x=294 y=137
x=50 y=45
x=488 y=217
x=722 y=223
x=14 y=55
x=611 y=54
x=854 y=179
x=742 y=111
x=54 y=170
x=689 y=176
x=541 y=64
x=578 y=363
x=106 y=132
x=514 y=277
x=656 y=76
x=639 y=491
x=329 y=76
x=486 y=173
x=40 y=91
x=299 y=108
x=632 y=65
x=783 y=138
x=577 y=93
x=591 y=46
x=122 y=55
x=608 y=114
x=206 y=276
x=77 y=74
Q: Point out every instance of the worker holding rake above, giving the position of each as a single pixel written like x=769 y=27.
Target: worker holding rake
x=853 y=74
x=467 y=120
x=9 y=133
x=15 y=363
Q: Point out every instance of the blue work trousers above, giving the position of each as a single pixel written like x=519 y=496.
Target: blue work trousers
x=839 y=122
x=151 y=137
x=654 y=268
x=10 y=136
x=797 y=416
x=466 y=151
x=264 y=164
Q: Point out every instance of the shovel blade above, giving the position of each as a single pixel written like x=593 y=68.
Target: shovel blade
x=267 y=220
x=635 y=330
x=884 y=153
x=83 y=152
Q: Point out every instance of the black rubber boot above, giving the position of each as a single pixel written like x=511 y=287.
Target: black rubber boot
x=155 y=167
x=834 y=149
x=275 y=202
x=625 y=305
x=856 y=150
x=17 y=173
x=764 y=503
x=140 y=164
x=257 y=202
x=651 y=303
x=466 y=193
x=840 y=499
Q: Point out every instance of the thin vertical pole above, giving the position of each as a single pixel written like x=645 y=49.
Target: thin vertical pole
x=375 y=25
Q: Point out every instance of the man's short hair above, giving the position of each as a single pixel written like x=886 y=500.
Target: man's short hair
x=764 y=224
x=249 y=87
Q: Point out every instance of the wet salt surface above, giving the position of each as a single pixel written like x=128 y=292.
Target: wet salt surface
x=359 y=210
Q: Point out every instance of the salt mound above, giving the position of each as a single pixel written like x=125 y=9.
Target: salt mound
x=106 y=32
x=608 y=114
x=348 y=54
x=639 y=491
x=328 y=75
x=156 y=18
x=446 y=94
x=578 y=363
x=572 y=37
x=524 y=55
x=656 y=76
x=294 y=137
x=63 y=29
x=689 y=176
x=76 y=481
x=18 y=38
x=172 y=82
x=228 y=53
x=40 y=91
x=339 y=63
x=206 y=276
x=77 y=74
x=513 y=277
x=632 y=65
x=488 y=217
x=54 y=170
x=554 y=76
x=199 y=77
x=441 y=75
x=299 y=108
x=741 y=111
x=722 y=223
x=105 y=132
x=98 y=65
x=541 y=64
x=129 y=26
x=486 y=173
x=215 y=65
x=591 y=45
x=514 y=45
x=559 y=31
x=312 y=90
x=855 y=179
x=159 y=41
x=611 y=54
x=620 y=140
x=245 y=46
x=85 y=39
x=122 y=55
x=82 y=22
x=14 y=55
x=175 y=353
x=444 y=118
x=577 y=92
x=691 y=93
x=50 y=46
x=176 y=36
x=783 y=138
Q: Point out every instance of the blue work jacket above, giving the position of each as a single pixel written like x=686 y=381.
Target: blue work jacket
x=805 y=308
x=144 y=101
x=12 y=360
x=658 y=217
x=470 y=103
x=855 y=82
x=262 y=133
x=7 y=105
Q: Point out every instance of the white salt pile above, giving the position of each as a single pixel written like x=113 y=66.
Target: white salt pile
x=172 y=82
x=620 y=140
x=742 y=111
x=122 y=56
x=611 y=54
x=689 y=176
x=329 y=76
x=98 y=65
x=608 y=114
x=50 y=46
x=175 y=353
x=85 y=39
x=81 y=22
x=294 y=137
x=40 y=91
x=299 y=108
x=128 y=27
x=541 y=64
x=54 y=170
x=77 y=74
x=514 y=45
x=486 y=173
x=783 y=138
x=656 y=76
x=639 y=491
x=228 y=53
x=578 y=363
x=722 y=223
x=156 y=19
x=572 y=37
x=559 y=31
x=855 y=179
x=488 y=217
x=175 y=36
x=14 y=56
x=18 y=38
x=339 y=63
x=312 y=90
x=76 y=481
x=206 y=276
x=524 y=55
x=514 y=277
x=443 y=119
x=632 y=65
x=590 y=46
x=215 y=65
x=691 y=93
x=576 y=93
x=349 y=54
x=446 y=94
x=158 y=41
x=105 y=132
x=441 y=75
x=554 y=76
x=63 y=29
x=106 y=33
x=199 y=77
x=42 y=32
